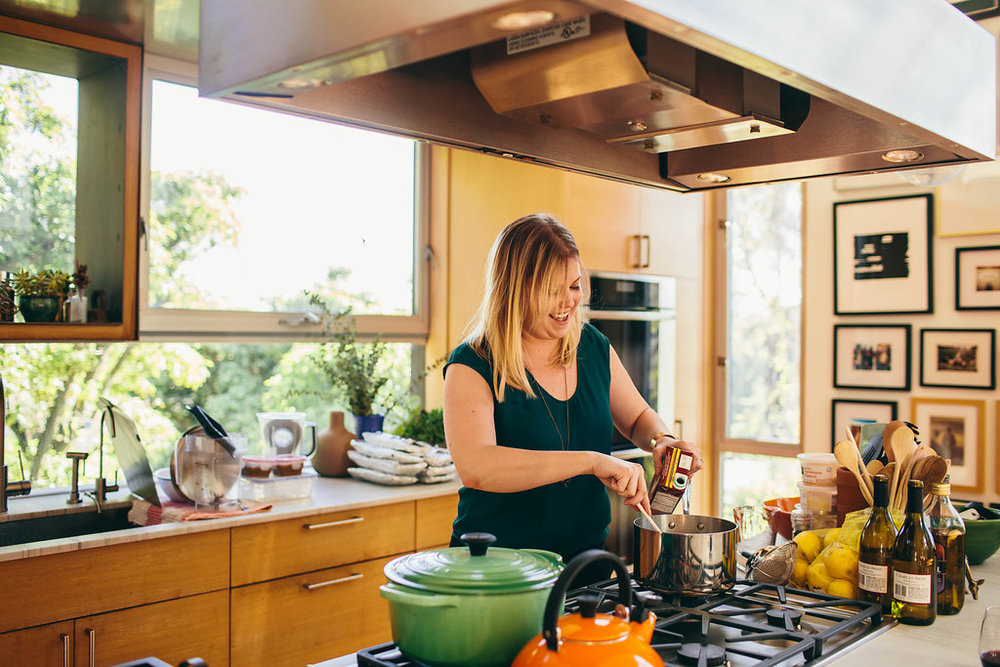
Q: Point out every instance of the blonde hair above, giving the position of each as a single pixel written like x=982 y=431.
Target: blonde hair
x=524 y=267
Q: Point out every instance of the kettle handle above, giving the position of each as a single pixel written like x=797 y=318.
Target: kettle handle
x=557 y=595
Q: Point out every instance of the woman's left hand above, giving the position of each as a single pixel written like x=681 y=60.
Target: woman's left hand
x=660 y=451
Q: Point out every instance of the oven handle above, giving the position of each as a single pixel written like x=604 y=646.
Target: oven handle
x=633 y=315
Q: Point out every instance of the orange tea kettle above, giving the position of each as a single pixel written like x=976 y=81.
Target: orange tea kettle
x=590 y=638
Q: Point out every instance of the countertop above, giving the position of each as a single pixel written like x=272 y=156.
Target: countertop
x=328 y=495
x=952 y=641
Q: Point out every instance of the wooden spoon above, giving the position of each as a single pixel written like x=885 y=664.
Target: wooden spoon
x=847 y=456
x=874 y=467
x=890 y=428
x=649 y=518
x=890 y=471
x=934 y=470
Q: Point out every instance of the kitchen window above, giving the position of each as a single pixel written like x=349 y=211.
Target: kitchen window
x=245 y=208
x=758 y=342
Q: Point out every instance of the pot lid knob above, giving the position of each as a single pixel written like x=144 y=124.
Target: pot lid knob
x=588 y=604
x=478 y=543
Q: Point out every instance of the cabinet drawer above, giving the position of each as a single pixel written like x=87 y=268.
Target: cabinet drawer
x=46 y=645
x=434 y=519
x=91 y=581
x=173 y=631
x=282 y=622
x=281 y=548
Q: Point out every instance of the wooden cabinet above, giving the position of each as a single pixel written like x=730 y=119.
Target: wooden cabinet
x=285 y=592
x=109 y=85
x=173 y=631
x=50 y=644
x=434 y=519
x=279 y=548
x=311 y=617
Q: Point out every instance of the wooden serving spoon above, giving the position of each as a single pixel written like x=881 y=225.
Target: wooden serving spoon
x=890 y=471
x=847 y=456
x=874 y=467
x=887 y=433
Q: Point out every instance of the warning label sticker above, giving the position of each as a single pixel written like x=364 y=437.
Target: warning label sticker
x=553 y=34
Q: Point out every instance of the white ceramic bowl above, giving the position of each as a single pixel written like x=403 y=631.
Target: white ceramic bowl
x=163 y=481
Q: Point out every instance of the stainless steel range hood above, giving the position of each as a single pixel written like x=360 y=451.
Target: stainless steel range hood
x=671 y=94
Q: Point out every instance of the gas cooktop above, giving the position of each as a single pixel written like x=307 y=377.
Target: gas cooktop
x=751 y=624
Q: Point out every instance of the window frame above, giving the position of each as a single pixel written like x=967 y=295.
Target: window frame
x=191 y=325
x=720 y=307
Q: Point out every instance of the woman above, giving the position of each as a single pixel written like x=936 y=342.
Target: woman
x=531 y=399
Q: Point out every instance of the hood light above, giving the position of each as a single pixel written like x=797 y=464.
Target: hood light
x=902 y=155
x=713 y=178
x=636 y=125
x=301 y=84
x=523 y=20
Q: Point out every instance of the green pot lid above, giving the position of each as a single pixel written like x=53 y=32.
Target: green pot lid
x=476 y=568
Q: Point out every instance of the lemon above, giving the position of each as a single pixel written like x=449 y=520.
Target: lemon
x=799 y=572
x=808 y=544
x=832 y=536
x=841 y=588
x=817 y=576
x=842 y=563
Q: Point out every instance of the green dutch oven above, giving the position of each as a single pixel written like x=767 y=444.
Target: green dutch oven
x=469 y=605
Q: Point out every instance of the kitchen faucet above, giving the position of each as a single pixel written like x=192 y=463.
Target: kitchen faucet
x=101 y=486
x=21 y=487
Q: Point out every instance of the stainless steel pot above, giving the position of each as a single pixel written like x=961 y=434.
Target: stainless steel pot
x=694 y=555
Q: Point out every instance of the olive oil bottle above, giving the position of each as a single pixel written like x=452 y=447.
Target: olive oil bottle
x=914 y=564
x=948 y=531
x=875 y=550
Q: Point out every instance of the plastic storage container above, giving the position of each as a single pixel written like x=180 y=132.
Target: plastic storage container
x=818 y=498
x=819 y=469
x=803 y=519
x=269 y=489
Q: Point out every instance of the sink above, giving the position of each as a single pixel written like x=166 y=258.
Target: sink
x=55 y=526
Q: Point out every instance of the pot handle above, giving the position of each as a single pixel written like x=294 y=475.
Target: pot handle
x=558 y=593
x=395 y=594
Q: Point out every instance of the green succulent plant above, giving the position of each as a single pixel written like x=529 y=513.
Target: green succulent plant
x=48 y=282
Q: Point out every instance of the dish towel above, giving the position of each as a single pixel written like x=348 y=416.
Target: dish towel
x=144 y=513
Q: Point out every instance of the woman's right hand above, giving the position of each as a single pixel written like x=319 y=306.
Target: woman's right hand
x=625 y=478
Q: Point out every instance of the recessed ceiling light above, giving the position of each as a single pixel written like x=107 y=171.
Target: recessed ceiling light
x=902 y=155
x=713 y=178
x=300 y=84
x=523 y=20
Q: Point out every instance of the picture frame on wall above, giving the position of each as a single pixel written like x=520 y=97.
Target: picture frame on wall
x=869 y=356
x=954 y=429
x=977 y=278
x=883 y=255
x=958 y=358
x=851 y=414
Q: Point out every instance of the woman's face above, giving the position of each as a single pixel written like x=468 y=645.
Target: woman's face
x=558 y=308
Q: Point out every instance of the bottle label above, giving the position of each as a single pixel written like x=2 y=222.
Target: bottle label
x=873 y=578
x=912 y=588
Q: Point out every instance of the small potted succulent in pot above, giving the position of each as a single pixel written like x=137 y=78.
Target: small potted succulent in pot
x=41 y=294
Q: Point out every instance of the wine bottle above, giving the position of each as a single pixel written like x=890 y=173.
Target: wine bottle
x=875 y=549
x=948 y=531
x=914 y=564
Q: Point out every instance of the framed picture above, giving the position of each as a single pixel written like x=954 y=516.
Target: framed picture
x=958 y=358
x=871 y=357
x=954 y=429
x=883 y=256
x=977 y=278
x=850 y=414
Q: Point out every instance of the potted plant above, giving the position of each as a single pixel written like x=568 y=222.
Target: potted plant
x=353 y=369
x=41 y=293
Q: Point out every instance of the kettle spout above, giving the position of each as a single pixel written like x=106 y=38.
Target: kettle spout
x=644 y=630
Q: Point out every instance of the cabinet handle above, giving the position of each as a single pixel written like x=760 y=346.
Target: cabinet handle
x=91 y=645
x=67 y=659
x=332 y=524
x=644 y=241
x=331 y=582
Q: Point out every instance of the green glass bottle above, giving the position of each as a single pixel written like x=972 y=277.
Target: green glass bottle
x=948 y=531
x=875 y=549
x=914 y=564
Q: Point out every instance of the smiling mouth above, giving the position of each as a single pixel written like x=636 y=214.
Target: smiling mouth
x=561 y=317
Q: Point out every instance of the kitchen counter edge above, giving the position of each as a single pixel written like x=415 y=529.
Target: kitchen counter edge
x=328 y=495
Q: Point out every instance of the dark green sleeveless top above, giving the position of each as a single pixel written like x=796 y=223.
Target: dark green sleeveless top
x=565 y=517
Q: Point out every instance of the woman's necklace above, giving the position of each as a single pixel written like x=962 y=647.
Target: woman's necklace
x=563 y=445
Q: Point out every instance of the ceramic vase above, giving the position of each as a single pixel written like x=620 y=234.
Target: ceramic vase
x=332 y=444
